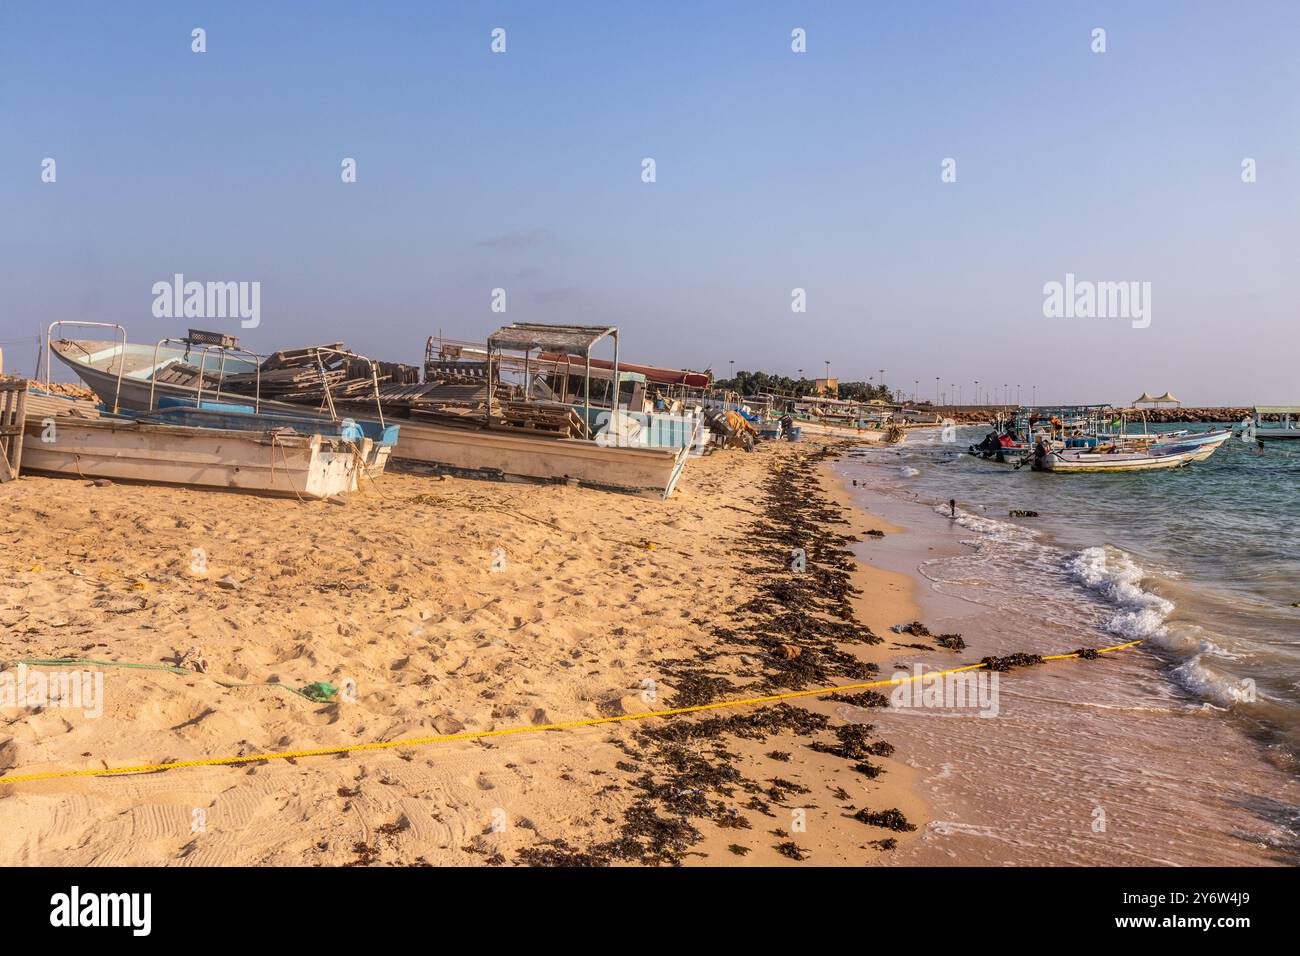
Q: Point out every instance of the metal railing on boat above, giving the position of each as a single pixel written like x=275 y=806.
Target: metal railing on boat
x=121 y=355
x=203 y=349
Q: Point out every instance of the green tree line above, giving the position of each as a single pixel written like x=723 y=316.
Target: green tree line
x=754 y=383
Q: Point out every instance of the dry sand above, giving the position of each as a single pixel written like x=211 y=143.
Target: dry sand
x=395 y=593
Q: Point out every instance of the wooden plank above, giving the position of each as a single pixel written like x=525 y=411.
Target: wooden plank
x=13 y=408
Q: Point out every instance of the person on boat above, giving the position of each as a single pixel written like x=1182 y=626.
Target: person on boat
x=1040 y=454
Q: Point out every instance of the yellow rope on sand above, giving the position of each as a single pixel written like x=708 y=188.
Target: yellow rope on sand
x=508 y=731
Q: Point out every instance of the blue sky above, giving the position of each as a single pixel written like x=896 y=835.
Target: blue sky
x=775 y=171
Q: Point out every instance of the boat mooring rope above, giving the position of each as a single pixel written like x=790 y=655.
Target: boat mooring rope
x=512 y=731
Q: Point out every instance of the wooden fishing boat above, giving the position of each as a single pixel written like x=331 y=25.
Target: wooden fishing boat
x=141 y=377
x=126 y=375
x=373 y=441
x=483 y=452
x=177 y=384
x=274 y=462
x=817 y=429
x=1118 y=458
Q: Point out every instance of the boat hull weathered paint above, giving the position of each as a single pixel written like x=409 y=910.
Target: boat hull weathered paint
x=99 y=371
x=820 y=430
x=1155 y=458
x=494 y=453
x=374 y=442
x=274 y=463
x=466 y=450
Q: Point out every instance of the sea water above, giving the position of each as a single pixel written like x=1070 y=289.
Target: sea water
x=1201 y=563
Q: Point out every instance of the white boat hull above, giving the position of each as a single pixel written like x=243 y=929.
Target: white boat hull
x=480 y=451
x=1155 y=458
x=819 y=430
x=306 y=466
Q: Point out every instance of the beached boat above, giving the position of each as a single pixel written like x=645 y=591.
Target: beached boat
x=373 y=441
x=140 y=378
x=485 y=453
x=816 y=429
x=72 y=439
x=1118 y=458
x=126 y=375
x=1286 y=428
x=180 y=382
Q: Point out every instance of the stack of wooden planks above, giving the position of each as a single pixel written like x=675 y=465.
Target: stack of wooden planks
x=459 y=373
x=555 y=419
x=304 y=375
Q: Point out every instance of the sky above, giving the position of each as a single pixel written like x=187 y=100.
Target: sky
x=775 y=170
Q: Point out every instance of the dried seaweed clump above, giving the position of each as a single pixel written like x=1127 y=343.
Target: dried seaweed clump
x=1011 y=661
x=868 y=698
x=791 y=849
x=891 y=819
x=855 y=743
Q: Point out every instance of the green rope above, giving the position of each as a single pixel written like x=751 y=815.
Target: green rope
x=320 y=692
x=58 y=661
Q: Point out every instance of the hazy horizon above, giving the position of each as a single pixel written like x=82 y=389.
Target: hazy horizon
x=775 y=171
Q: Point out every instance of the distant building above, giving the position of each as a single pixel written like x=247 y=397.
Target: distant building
x=826 y=386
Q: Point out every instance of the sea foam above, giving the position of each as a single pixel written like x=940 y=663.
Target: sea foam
x=1118 y=578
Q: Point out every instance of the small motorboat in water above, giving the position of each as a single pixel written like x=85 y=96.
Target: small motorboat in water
x=1121 y=457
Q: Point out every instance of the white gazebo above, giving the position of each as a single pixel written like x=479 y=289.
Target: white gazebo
x=1146 y=398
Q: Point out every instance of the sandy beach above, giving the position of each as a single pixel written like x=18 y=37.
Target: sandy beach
x=441 y=607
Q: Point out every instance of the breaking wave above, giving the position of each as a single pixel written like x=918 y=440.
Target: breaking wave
x=1118 y=578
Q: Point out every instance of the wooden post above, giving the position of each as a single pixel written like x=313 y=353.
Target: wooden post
x=13 y=407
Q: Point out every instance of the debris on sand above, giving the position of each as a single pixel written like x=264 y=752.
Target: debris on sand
x=891 y=819
x=791 y=635
x=1011 y=661
x=868 y=698
x=791 y=849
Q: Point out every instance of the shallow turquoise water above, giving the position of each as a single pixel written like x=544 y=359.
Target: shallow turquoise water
x=1203 y=562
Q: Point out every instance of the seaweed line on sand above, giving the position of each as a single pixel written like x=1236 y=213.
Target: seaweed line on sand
x=789 y=636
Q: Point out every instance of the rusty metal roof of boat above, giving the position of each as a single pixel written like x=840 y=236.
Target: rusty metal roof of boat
x=571 y=339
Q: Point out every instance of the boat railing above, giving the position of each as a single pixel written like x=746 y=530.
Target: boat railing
x=318 y=350
x=121 y=355
x=203 y=349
